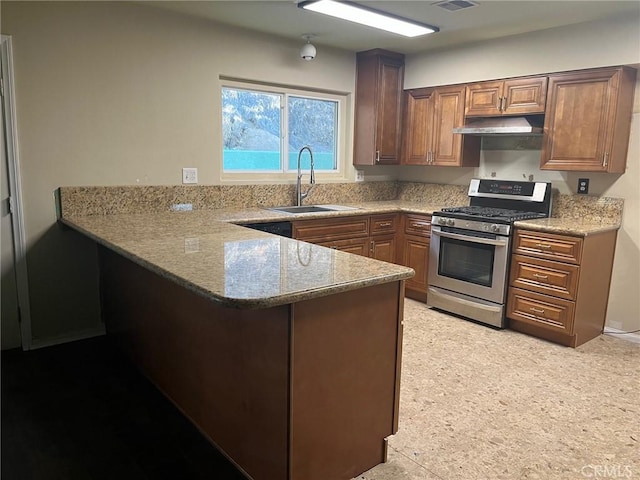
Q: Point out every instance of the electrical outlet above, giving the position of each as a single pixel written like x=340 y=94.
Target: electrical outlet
x=359 y=175
x=583 y=186
x=190 y=175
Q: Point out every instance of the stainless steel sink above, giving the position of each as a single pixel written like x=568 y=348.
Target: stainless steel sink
x=312 y=208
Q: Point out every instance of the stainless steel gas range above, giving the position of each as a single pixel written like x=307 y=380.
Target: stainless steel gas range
x=470 y=247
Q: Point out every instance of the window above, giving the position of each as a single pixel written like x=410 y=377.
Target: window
x=263 y=130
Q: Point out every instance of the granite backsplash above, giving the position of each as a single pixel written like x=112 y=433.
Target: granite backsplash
x=80 y=201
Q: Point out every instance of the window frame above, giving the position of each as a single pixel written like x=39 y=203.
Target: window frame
x=282 y=176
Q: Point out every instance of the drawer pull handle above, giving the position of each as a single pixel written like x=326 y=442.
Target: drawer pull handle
x=544 y=246
x=543 y=277
x=420 y=225
x=536 y=310
x=384 y=224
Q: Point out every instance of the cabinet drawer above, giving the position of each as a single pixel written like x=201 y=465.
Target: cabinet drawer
x=417 y=225
x=324 y=229
x=545 y=276
x=359 y=246
x=547 y=245
x=541 y=310
x=387 y=223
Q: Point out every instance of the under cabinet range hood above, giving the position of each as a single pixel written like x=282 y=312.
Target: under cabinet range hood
x=531 y=125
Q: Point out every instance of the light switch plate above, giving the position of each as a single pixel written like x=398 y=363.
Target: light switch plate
x=189 y=175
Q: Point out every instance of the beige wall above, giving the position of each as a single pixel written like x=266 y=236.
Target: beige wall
x=613 y=42
x=119 y=94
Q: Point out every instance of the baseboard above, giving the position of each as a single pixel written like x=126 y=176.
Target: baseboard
x=68 y=337
x=631 y=337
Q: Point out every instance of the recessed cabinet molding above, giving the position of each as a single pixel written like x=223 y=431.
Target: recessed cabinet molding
x=378 y=107
x=516 y=96
x=430 y=115
x=588 y=120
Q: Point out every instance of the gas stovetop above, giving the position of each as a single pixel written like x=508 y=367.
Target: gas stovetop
x=495 y=205
x=490 y=214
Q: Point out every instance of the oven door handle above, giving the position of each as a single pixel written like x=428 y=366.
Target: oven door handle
x=471 y=238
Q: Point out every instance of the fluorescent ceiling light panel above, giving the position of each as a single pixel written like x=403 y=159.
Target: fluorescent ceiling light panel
x=368 y=16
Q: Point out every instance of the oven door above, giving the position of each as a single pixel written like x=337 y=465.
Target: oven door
x=470 y=263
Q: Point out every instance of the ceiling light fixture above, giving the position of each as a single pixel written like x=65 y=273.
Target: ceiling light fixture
x=368 y=16
x=308 y=50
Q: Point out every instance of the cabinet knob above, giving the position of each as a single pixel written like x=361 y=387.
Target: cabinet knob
x=544 y=246
x=537 y=310
x=377 y=156
x=542 y=277
x=605 y=159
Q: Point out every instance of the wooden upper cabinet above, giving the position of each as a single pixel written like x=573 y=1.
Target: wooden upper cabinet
x=430 y=115
x=378 y=107
x=588 y=120
x=517 y=96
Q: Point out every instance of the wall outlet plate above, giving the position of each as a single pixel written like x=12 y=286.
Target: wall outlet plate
x=583 y=186
x=359 y=175
x=190 y=175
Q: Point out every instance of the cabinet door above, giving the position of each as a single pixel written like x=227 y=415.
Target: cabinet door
x=418 y=124
x=378 y=97
x=448 y=114
x=484 y=99
x=585 y=127
x=383 y=247
x=524 y=96
x=416 y=255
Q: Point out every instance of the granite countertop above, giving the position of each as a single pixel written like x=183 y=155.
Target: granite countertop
x=569 y=226
x=232 y=265
x=205 y=252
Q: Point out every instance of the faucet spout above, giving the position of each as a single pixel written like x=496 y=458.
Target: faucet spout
x=299 y=195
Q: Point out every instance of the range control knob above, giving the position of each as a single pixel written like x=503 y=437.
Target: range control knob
x=442 y=221
x=495 y=228
x=451 y=222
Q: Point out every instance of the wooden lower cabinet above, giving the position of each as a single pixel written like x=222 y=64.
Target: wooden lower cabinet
x=414 y=253
x=396 y=238
x=370 y=236
x=559 y=285
x=303 y=391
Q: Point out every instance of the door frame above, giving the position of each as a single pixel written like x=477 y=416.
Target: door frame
x=16 y=204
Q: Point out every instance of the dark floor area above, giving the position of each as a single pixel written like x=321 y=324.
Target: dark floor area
x=82 y=411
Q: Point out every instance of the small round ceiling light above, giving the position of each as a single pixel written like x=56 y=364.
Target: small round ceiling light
x=308 y=51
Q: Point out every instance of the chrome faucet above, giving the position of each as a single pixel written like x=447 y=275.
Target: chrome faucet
x=299 y=195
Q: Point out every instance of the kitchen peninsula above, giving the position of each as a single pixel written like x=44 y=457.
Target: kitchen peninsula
x=286 y=355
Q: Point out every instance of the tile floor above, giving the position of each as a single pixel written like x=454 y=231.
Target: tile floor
x=483 y=404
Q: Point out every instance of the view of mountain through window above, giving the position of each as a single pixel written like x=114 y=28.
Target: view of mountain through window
x=263 y=131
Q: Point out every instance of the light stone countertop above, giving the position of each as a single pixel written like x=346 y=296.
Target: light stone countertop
x=232 y=265
x=203 y=251
x=569 y=226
